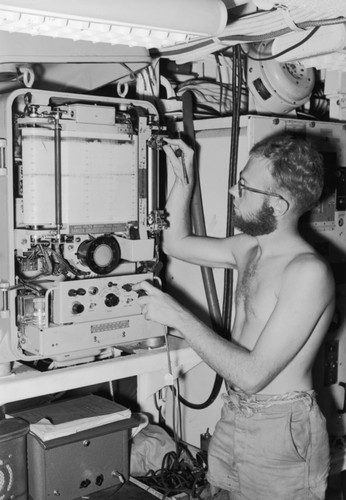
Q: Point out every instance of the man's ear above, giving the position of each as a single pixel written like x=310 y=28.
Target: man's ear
x=279 y=207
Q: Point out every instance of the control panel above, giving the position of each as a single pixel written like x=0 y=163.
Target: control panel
x=80 y=223
x=94 y=299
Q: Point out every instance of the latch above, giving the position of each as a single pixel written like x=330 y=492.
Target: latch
x=3 y=169
x=4 y=288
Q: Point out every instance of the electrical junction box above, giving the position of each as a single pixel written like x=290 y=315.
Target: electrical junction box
x=79 y=464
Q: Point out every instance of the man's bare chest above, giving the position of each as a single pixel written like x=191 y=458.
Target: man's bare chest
x=258 y=288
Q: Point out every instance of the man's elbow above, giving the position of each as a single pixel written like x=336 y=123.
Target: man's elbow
x=165 y=247
x=252 y=383
x=172 y=247
x=249 y=387
x=168 y=248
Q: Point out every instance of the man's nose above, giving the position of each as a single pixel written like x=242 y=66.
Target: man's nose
x=233 y=191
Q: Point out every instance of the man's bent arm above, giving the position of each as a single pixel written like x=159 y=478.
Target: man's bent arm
x=292 y=323
x=178 y=239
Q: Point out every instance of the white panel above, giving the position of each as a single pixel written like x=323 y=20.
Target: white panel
x=185 y=280
x=213 y=138
x=85 y=179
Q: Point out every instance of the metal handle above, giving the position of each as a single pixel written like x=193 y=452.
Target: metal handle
x=4 y=288
x=341 y=412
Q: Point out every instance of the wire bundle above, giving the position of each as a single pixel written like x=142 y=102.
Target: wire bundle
x=179 y=473
x=248 y=29
x=211 y=96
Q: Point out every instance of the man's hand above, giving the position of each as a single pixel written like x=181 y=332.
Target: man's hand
x=180 y=157
x=158 y=306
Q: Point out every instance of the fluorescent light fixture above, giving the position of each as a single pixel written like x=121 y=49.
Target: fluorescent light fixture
x=145 y=23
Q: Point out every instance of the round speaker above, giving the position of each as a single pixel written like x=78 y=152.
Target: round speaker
x=101 y=255
x=6 y=480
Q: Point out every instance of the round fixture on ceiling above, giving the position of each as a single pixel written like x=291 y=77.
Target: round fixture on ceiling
x=277 y=87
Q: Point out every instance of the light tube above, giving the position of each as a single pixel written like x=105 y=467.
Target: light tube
x=146 y=23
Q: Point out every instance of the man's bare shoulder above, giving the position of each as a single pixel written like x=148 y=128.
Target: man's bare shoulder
x=308 y=259
x=309 y=269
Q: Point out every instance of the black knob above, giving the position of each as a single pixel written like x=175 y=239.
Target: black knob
x=111 y=300
x=77 y=308
x=81 y=291
x=99 y=480
x=72 y=292
x=85 y=483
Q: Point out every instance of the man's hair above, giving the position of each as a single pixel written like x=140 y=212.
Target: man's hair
x=296 y=167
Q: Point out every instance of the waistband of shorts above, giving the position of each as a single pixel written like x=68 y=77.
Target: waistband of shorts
x=248 y=404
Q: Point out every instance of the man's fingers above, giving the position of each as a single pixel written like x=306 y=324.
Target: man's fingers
x=169 y=152
x=176 y=142
x=173 y=145
x=144 y=286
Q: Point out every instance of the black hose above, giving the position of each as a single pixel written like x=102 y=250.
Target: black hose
x=236 y=98
x=199 y=229
x=220 y=323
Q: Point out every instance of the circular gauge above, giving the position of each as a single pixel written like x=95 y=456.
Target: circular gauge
x=101 y=255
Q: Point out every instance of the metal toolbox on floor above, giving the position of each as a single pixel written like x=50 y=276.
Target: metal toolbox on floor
x=79 y=464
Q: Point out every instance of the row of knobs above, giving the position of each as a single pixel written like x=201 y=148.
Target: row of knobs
x=111 y=300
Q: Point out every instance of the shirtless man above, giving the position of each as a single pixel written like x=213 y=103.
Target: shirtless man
x=271 y=441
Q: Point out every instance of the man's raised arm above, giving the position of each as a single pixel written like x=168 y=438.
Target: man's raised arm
x=178 y=239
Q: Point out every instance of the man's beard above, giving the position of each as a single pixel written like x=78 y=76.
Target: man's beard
x=257 y=224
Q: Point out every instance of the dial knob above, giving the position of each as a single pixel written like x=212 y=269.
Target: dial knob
x=77 y=308
x=111 y=300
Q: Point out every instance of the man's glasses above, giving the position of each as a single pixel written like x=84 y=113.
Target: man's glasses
x=242 y=187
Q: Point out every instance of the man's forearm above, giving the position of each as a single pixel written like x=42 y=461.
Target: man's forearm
x=178 y=210
x=232 y=362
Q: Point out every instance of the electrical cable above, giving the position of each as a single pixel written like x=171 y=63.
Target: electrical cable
x=228 y=274
x=283 y=31
x=220 y=323
x=319 y=103
x=274 y=56
x=197 y=210
x=66 y=265
x=218 y=66
x=207 y=95
x=179 y=473
x=177 y=422
x=199 y=227
x=248 y=24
